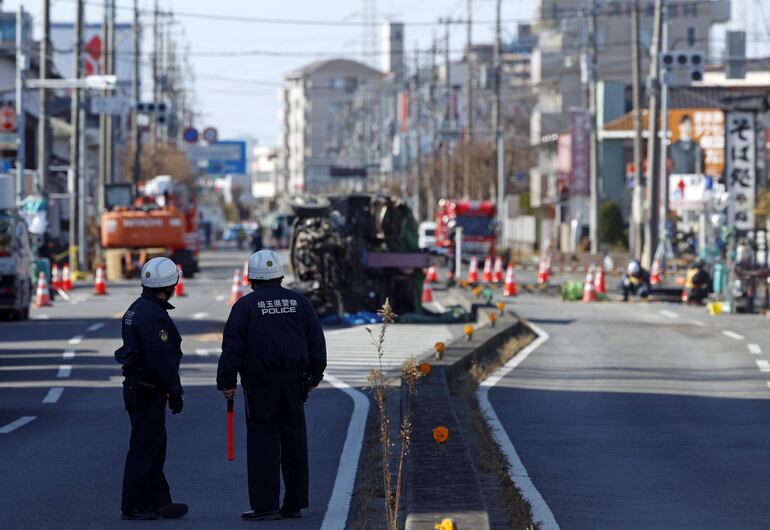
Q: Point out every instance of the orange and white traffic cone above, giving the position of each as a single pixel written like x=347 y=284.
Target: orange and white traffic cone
x=245 y=277
x=509 y=287
x=487 y=274
x=100 y=284
x=431 y=276
x=236 y=292
x=599 y=283
x=42 y=295
x=473 y=270
x=544 y=270
x=427 y=293
x=497 y=273
x=656 y=276
x=179 y=291
x=589 y=290
x=66 y=279
x=55 y=277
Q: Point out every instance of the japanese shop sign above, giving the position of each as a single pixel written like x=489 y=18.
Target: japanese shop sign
x=740 y=174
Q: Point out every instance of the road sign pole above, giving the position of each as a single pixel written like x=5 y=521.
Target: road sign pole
x=21 y=147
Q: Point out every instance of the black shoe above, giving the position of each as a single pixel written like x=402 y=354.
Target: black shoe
x=175 y=510
x=270 y=515
x=290 y=514
x=139 y=514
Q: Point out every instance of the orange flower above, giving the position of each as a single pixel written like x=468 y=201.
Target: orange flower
x=501 y=307
x=469 y=332
x=440 y=347
x=440 y=434
x=425 y=368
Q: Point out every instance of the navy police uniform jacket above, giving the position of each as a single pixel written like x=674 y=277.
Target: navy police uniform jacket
x=271 y=331
x=151 y=350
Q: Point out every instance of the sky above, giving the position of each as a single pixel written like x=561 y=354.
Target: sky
x=239 y=94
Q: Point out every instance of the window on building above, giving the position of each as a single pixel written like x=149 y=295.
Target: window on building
x=8 y=30
x=690 y=36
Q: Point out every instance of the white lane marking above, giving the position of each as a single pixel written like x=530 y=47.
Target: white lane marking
x=21 y=422
x=339 y=503
x=768 y=384
x=199 y=316
x=221 y=297
x=669 y=314
x=697 y=323
x=77 y=339
x=53 y=395
x=754 y=349
x=64 y=371
x=69 y=354
x=517 y=472
x=96 y=327
x=202 y=352
x=41 y=317
x=763 y=365
x=733 y=335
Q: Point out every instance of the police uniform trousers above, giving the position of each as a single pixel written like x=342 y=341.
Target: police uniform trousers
x=144 y=483
x=276 y=442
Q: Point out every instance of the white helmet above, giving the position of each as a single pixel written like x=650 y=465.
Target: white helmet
x=634 y=268
x=159 y=272
x=265 y=265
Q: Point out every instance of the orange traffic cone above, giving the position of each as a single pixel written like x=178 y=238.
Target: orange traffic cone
x=66 y=280
x=589 y=290
x=245 y=277
x=509 y=287
x=100 y=285
x=427 y=293
x=179 y=291
x=432 y=275
x=42 y=295
x=55 y=277
x=544 y=270
x=473 y=270
x=236 y=292
x=655 y=273
x=599 y=284
x=497 y=273
x=487 y=274
x=683 y=296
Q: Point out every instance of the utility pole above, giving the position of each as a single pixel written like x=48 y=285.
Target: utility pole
x=136 y=133
x=651 y=228
x=102 y=170
x=430 y=189
x=21 y=130
x=637 y=209
x=155 y=71
x=593 y=214
x=73 y=177
x=446 y=187
x=111 y=70
x=44 y=123
x=498 y=117
x=468 y=108
x=663 y=153
x=418 y=136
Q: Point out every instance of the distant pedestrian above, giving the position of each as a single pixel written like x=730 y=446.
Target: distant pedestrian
x=150 y=356
x=274 y=340
x=256 y=238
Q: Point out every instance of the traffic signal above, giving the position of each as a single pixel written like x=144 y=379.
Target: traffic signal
x=681 y=68
x=159 y=109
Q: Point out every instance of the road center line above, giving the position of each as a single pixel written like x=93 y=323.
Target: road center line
x=95 y=327
x=64 y=371
x=732 y=334
x=221 y=297
x=77 y=339
x=669 y=314
x=516 y=471
x=53 y=395
x=763 y=365
x=697 y=323
x=199 y=316
x=754 y=349
x=21 y=422
x=69 y=354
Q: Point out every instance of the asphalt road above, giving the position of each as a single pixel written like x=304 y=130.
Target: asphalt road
x=643 y=415
x=63 y=469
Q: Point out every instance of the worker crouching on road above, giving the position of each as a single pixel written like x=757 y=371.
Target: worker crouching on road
x=150 y=356
x=697 y=284
x=274 y=340
x=635 y=282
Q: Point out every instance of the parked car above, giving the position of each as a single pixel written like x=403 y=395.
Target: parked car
x=16 y=263
x=427 y=235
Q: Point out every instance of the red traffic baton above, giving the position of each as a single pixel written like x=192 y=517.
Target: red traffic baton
x=230 y=442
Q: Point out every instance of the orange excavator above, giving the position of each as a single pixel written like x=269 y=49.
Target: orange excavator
x=161 y=220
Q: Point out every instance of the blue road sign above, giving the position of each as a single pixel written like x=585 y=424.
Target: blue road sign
x=222 y=158
x=190 y=135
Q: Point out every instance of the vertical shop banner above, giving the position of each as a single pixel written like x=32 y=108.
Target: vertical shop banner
x=740 y=174
x=581 y=147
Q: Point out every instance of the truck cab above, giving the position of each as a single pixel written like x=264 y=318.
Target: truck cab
x=477 y=220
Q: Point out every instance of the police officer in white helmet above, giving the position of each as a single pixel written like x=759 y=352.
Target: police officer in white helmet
x=150 y=355
x=273 y=339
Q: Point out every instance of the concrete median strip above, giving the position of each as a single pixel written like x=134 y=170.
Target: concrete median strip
x=21 y=422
